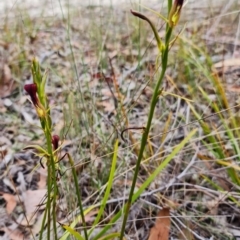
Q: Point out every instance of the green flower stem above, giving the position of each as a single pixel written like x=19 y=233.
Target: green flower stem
x=154 y=101
x=169 y=5
x=50 y=212
x=52 y=181
x=78 y=196
x=46 y=123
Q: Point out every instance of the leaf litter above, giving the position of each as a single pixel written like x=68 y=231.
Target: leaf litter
x=99 y=113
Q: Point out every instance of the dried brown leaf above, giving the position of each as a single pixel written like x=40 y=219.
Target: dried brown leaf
x=31 y=202
x=225 y=65
x=233 y=89
x=13 y=234
x=11 y=202
x=107 y=105
x=228 y=63
x=160 y=231
x=6 y=83
x=43 y=178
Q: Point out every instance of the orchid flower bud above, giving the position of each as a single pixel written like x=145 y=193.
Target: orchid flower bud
x=174 y=13
x=155 y=32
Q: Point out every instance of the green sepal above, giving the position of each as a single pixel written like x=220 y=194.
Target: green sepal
x=41 y=151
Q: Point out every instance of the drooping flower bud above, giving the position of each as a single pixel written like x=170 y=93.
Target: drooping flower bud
x=174 y=13
x=55 y=141
x=158 y=39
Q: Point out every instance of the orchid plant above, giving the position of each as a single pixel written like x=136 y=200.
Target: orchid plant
x=50 y=154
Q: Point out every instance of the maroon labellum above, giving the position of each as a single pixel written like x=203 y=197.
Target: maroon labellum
x=55 y=141
x=31 y=89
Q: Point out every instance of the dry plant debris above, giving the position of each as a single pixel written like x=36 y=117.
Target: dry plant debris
x=115 y=75
x=161 y=229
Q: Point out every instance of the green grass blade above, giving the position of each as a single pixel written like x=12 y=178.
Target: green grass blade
x=109 y=186
x=110 y=236
x=78 y=196
x=176 y=150
x=73 y=232
x=76 y=221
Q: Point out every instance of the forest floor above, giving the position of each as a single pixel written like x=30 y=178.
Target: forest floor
x=101 y=67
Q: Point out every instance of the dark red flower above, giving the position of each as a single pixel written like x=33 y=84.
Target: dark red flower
x=55 y=141
x=31 y=89
x=179 y=2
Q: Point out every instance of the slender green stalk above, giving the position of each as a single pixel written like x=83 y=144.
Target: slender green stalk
x=108 y=189
x=52 y=181
x=78 y=196
x=164 y=51
x=48 y=206
x=169 y=5
x=147 y=130
x=52 y=185
x=42 y=225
